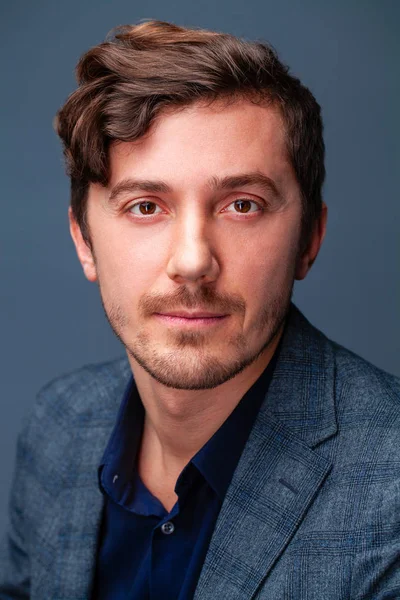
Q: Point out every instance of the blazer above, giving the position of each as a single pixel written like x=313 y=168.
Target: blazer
x=312 y=511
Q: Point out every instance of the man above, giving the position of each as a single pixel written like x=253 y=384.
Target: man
x=250 y=457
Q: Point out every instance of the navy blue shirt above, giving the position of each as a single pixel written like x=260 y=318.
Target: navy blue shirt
x=146 y=553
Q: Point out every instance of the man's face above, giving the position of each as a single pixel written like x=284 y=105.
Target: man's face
x=195 y=242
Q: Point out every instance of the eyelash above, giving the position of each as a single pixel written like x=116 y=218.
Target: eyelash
x=259 y=205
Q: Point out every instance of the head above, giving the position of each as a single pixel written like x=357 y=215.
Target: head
x=196 y=163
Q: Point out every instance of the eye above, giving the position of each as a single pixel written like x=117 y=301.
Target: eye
x=141 y=209
x=243 y=206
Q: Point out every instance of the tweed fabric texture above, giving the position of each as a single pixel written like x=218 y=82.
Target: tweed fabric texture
x=312 y=511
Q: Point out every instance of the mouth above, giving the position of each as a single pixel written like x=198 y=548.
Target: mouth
x=191 y=319
x=183 y=314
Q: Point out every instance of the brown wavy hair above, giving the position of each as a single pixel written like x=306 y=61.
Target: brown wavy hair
x=141 y=70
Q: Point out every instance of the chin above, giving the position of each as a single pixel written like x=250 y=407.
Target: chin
x=193 y=368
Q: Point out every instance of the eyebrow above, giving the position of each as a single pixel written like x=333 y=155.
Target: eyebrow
x=230 y=182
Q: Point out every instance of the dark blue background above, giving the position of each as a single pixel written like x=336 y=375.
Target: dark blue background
x=346 y=51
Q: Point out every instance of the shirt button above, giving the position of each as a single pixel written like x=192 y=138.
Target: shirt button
x=168 y=528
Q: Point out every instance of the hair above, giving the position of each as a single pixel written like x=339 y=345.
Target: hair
x=141 y=70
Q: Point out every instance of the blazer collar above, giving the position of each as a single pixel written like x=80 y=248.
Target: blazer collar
x=280 y=471
x=302 y=392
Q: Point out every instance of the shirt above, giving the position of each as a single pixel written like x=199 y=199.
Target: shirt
x=146 y=553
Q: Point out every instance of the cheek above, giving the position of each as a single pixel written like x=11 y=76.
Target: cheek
x=264 y=279
x=128 y=265
x=264 y=263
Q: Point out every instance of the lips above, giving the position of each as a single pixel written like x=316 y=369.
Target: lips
x=192 y=315
x=191 y=320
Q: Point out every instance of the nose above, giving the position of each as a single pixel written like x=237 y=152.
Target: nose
x=192 y=258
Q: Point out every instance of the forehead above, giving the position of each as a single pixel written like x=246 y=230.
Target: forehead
x=195 y=143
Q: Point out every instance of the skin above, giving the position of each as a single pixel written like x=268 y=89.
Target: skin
x=233 y=252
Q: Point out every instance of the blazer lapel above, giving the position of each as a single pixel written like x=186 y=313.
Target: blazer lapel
x=280 y=471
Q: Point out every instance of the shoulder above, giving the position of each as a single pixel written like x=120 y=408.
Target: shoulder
x=71 y=410
x=350 y=374
x=63 y=437
x=327 y=382
x=366 y=451
x=366 y=385
x=91 y=388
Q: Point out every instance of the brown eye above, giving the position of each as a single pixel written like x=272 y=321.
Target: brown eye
x=147 y=208
x=144 y=209
x=243 y=206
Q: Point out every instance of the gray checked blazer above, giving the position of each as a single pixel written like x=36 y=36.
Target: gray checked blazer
x=312 y=512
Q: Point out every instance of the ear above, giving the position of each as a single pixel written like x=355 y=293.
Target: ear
x=307 y=258
x=83 y=251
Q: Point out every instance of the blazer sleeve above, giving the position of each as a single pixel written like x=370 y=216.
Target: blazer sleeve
x=376 y=570
x=14 y=555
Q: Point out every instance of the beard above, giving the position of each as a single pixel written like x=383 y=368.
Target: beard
x=186 y=360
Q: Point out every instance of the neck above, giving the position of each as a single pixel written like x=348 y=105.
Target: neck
x=179 y=422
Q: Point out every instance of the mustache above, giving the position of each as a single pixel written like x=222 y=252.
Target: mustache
x=204 y=298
